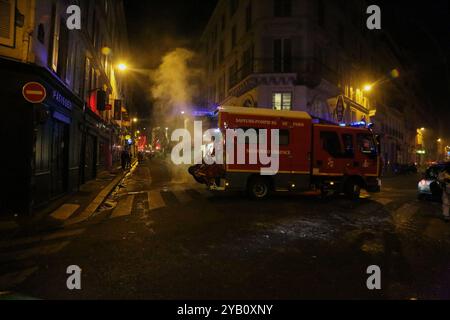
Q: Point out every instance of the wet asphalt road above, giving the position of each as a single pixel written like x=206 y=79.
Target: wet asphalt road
x=166 y=238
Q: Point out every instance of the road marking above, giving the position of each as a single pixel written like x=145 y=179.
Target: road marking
x=50 y=237
x=34 y=252
x=403 y=216
x=65 y=211
x=407 y=209
x=384 y=201
x=10 y=280
x=124 y=208
x=155 y=200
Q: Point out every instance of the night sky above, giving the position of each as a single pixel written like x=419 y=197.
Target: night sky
x=156 y=27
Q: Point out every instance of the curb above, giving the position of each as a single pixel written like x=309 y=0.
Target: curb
x=89 y=211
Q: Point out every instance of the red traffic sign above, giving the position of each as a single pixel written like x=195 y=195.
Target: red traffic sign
x=34 y=92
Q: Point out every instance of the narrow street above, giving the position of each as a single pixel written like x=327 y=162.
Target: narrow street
x=161 y=236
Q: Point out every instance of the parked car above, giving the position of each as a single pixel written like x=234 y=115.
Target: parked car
x=428 y=187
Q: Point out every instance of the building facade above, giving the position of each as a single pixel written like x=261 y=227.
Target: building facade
x=77 y=131
x=310 y=55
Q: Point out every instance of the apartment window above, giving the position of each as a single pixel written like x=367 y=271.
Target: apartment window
x=233 y=75
x=54 y=44
x=63 y=51
x=221 y=52
x=341 y=35
x=224 y=22
x=234 y=4
x=85 y=10
x=87 y=79
x=214 y=61
x=7 y=22
x=282 y=8
x=233 y=37
x=282 y=53
x=248 y=17
x=282 y=101
x=321 y=13
x=247 y=61
x=214 y=35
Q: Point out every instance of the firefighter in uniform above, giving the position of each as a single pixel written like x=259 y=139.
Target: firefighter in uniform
x=444 y=179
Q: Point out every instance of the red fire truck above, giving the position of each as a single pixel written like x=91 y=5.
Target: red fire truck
x=313 y=156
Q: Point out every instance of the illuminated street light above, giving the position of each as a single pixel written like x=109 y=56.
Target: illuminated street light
x=368 y=87
x=135 y=120
x=439 y=140
x=122 y=67
x=395 y=73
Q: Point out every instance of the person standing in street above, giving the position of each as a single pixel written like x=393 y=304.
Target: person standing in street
x=129 y=158
x=124 y=159
x=444 y=179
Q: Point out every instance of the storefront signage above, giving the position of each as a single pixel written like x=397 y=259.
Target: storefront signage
x=61 y=100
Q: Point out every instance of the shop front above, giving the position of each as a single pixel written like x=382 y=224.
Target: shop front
x=40 y=157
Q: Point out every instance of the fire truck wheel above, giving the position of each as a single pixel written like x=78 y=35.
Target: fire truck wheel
x=259 y=188
x=352 y=189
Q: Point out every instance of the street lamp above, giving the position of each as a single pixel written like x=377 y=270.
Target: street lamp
x=368 y=87
x=135 y=120
x=393 y=74
x=122 y=67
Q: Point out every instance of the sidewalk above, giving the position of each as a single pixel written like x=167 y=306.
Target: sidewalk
x=68 y=210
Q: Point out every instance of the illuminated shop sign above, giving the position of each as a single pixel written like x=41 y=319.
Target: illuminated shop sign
x=61 y=100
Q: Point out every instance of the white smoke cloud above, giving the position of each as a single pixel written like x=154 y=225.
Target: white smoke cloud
x=174 y=86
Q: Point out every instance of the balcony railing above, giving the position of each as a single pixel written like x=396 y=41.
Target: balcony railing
x=309 y=71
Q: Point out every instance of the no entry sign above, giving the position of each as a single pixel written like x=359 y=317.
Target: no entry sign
x=34 y=92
